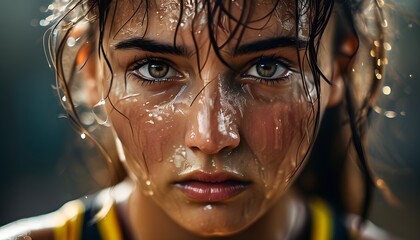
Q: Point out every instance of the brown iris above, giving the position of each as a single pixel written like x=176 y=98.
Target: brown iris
x=158 y=69
x=266 y=69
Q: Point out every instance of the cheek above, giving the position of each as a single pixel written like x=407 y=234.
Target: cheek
x=146 y=134
x=273 y=132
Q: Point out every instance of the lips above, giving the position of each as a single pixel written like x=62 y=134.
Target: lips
x=212 y=187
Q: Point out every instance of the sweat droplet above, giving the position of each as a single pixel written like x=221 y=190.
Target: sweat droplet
x=208 y=207
x=148 y=182
x=83 y=136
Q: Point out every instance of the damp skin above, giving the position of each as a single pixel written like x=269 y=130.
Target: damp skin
x=209 y=118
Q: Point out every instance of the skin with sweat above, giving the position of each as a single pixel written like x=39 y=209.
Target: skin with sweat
x=212 y=150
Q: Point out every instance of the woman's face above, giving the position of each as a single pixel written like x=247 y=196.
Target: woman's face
x=214 y=146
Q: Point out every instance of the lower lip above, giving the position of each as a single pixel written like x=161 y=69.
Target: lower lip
x=212 y=192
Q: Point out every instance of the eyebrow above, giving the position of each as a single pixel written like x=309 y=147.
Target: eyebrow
x=271 y=43
x=164 y=48
x=151 y=46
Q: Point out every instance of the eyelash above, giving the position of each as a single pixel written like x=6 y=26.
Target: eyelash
x=269 y=81
x=138 y=64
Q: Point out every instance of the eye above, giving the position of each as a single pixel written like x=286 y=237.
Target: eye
x=154 y=71
x=268 y=69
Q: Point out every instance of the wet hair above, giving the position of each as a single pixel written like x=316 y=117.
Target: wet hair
x=366 y=27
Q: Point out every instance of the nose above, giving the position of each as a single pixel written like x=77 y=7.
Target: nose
x=213 y=126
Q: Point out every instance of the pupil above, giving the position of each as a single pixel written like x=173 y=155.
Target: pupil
x=158 y=70
x=266 y=69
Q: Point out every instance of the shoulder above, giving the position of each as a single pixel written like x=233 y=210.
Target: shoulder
x=84 y=218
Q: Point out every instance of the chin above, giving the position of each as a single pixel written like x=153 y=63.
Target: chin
x=220 y=221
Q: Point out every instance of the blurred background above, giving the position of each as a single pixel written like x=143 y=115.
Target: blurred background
x=41 y=168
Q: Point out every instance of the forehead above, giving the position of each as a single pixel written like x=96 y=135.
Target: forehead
x=249 y=17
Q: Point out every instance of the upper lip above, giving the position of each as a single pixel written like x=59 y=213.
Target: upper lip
x=213 y=177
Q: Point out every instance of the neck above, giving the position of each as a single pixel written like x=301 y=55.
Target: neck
x=148 y=221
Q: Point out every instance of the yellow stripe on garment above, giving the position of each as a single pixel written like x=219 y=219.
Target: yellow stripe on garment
x=69 y=221
x=108 y=225
x=321 y=220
